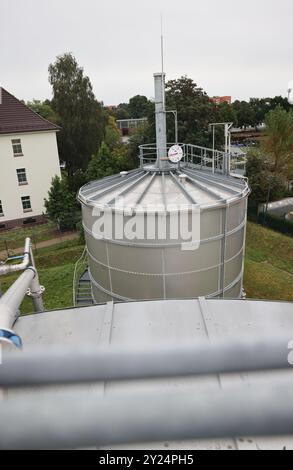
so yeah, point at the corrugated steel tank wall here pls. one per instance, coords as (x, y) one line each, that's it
(160, 269)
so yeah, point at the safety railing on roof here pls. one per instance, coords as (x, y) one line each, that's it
(215, 161)
(148, 152)
(206, 158)
(238, 164)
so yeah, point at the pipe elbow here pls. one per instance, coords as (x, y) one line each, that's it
(10, 337)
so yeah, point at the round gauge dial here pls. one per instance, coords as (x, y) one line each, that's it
(175, 154)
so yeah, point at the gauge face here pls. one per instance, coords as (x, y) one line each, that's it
(175, 154)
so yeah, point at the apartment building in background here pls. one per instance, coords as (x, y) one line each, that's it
(29, 160)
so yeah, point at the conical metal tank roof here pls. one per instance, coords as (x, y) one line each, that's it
(146, 190)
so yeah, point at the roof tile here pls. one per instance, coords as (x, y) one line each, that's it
(16, 117)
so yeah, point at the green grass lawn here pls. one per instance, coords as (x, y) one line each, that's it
(268, 269)
(268, 264)
(56, 268)
(15, 238)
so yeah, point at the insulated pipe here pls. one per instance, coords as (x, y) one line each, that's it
(12, 268)
(63, 366)
(69, 421)
(36, 290)
(10, 303)
(162, 158)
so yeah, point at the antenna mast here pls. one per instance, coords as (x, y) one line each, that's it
(162, 62)
(161, 139)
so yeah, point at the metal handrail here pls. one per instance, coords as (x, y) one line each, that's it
(79, 265)
(10, 268)
(205, 157)
(27, 284)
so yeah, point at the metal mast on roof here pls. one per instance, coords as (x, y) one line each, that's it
(172, 111)
(162, 62)
(162, 159)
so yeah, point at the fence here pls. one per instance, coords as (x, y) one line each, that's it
(11, 241)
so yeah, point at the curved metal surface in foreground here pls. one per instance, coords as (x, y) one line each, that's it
(177, 412)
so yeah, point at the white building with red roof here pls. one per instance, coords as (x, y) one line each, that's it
(29, 160)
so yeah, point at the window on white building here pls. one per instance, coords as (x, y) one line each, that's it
(1, 210)
(26, 204)
(17, 148)
(21, 176)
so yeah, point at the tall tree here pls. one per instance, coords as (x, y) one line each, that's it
(139, 106)
(112, 134)
(195, 110)
(80, 113)
(279, 141)
(102, 164)
(224, 112)
(245, 113)
(61, 205)
(44, 109)
(264, 183)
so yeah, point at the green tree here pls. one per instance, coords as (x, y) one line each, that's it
(280, 101)
(76, 180)
(103, 163)
(139, 106)
(224, 112)
(112, 134)
(195, 111)
(245, 113)
(141, 135)
(260, 107)
(264, 183)
(253, 113)
(44, 109)
(278, 143)
(80, 113)
(122, 111)
(61, 205)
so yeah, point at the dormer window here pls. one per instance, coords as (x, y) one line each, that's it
(17, 149)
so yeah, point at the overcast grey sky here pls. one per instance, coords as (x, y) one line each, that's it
(229, 47)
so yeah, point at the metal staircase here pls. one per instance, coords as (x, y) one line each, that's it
(82, 291)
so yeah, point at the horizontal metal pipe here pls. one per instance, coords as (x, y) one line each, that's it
(12, 268)
(11, 300)
(68, 421)
(56, 366)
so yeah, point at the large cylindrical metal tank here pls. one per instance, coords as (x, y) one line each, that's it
(134, 251)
